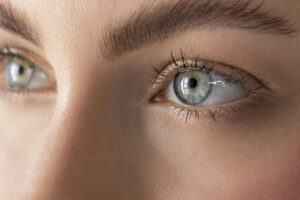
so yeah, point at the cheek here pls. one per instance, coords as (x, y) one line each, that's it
(255, 173)
(213, 164)
(17, 119)
(21, 133)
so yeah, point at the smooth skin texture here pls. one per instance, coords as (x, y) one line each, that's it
(98, 137)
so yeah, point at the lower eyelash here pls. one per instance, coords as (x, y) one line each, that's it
(231, 111)
(193, 113)
(24, 97)
(188, 113)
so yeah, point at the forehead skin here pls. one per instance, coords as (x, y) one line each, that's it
(93, 16)
(69, 31)
(66, 26)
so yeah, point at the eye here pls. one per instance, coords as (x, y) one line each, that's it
(199, 88)
(195, 84)
(19, 73)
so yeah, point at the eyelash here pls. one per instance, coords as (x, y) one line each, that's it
(162, 79)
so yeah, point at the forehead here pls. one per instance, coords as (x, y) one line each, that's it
(107, 9)
(74, 18)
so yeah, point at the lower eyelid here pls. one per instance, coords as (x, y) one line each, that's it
(231, 112)
(25, 97)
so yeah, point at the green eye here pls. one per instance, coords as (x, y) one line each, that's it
(192, 87)
(19, 73)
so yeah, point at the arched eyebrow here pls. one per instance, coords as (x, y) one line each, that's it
(157, 23)
(17, 23)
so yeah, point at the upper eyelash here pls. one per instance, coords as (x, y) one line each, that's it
(206, 66)
(7, 51)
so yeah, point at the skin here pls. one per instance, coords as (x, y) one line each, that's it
(98, 137)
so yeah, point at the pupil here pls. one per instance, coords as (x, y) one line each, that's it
(192, 83)
(21, 70)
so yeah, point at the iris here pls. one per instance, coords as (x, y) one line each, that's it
(192, 87)
(19, 73)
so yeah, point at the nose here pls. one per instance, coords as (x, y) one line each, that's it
(86, 154)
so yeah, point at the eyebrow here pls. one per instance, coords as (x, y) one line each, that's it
(17, 23)
(164, 20)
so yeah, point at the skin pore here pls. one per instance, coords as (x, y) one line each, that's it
(106, 130)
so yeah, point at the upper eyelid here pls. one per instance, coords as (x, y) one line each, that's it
(179, 65)
(161, 81)
(211, 65)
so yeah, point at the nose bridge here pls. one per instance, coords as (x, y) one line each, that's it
(83, 153)
(74, 146)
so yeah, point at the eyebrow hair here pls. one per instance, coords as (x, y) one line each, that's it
(166, 19)
(17, 23)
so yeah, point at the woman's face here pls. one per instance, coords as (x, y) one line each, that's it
(152, 99)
